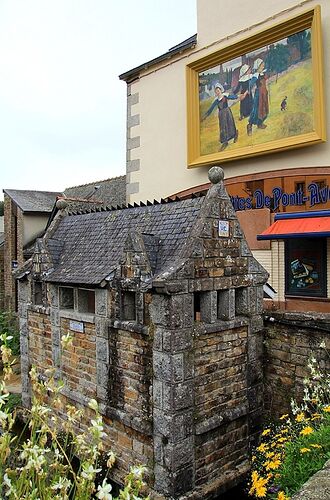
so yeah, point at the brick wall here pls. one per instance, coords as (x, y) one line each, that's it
(130, 375)
(40, 341)
(290, 340)
(221, 403)
(78, 361)
(13, 227)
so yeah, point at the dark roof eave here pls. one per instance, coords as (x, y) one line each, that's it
(132, 74)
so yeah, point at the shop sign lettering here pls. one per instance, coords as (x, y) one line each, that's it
(315, 196)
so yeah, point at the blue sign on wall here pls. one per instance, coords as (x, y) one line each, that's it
(316, 196)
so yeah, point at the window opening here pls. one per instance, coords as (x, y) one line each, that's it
(37, 293)
(128, 306)
(197, 306)
(86, 300)
(66, 298)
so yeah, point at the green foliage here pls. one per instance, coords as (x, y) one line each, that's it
(12, 402)
(53, 458)
(292, 450)
(9, 325)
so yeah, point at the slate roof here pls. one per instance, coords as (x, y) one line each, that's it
(86, 248)
(33, 201)
(132, 74)
(109, 191)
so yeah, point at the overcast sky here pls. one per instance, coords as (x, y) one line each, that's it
(62, 106)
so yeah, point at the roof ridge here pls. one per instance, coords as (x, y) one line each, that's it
(141, 204)
(93, 182)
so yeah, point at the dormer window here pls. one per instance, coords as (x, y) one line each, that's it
(128, 306)
(77, 299)
(37, 293)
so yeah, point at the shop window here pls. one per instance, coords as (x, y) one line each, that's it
(128, 306)
(86, 300)
(37, 293)
(66, 298)
(306, 267)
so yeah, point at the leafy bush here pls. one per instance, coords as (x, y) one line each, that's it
(49, 461)
(9, 325)
(292, 450)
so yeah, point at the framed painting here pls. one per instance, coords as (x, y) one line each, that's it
(261, 95)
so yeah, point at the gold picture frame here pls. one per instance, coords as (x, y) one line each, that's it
(296, 115)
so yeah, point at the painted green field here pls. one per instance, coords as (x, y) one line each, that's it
(296, 84)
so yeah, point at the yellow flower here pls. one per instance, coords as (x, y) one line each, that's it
(258, 487)
(316, 416)
(282, 496)
(272, 464)
(285, 430)
(282, 439)
(270, 454)
(304, 450)
(316, 446)
(265, 432)
(327, 409)
(300, 417)
(283, 417)
(262, 448)
(254, 458)
(306, 431)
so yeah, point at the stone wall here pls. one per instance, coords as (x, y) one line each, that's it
(40, 341)
(290, 340)
(221, 404)
(2, 278)
(13, 226)
(78, 360)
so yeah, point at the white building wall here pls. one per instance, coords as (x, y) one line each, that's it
(161, 151)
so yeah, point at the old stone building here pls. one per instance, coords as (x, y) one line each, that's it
(28, 213)
(163, 301)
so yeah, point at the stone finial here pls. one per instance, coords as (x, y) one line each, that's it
(216, 175)
(61, 204)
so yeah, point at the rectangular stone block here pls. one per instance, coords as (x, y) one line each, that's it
(226, 304)
(102, 349)
(101, 302)
(208, 304)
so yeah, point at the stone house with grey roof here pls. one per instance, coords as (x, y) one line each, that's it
(163, 301)
(27, 213)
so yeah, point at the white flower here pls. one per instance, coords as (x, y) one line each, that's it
(111, 459)
(322, 345)
(138, 471)
(7, 482)
(93, 404)
(66, 340)
(89, 472)
(103, 491)
(62, 484)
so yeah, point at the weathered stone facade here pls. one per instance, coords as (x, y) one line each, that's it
(291, 339)
(171, 346)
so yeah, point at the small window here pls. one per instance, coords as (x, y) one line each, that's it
(197, 306)
(306, 267)
(86, 300)
(37, 293)
(66, 298)
(128, 306)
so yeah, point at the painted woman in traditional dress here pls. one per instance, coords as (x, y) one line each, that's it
(242, 87)
(227, 125)
(260, 107)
